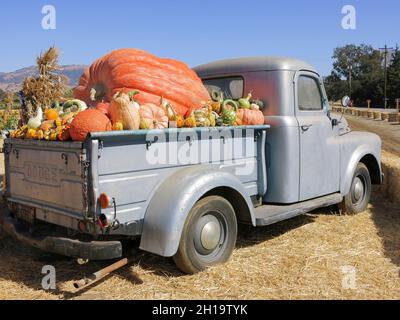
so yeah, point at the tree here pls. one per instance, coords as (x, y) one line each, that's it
(366, 74)
(335, 87)
(2, 94)
(47, 87)
(371, 80)
(393, 89)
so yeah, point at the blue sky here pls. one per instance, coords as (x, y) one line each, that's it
(193, 31)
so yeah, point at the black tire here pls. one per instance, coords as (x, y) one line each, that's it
(202, 244)
(360, 191)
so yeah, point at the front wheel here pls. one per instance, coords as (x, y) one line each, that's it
(360, 191)
(208, 236)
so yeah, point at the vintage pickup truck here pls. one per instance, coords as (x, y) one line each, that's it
(184, 191)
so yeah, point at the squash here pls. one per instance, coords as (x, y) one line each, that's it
(58, 122)
(118, 126)
(35, 122)
(64, 134)
(228, 112)
(125, 111)
(249, 117)
(68, 117)
(90, 120)
(74, 105)
(212, 116)
(152, 116)
(190, 122)
(47, 125)
(201, 118)
(31, 134)
(154, 77)
(40, 134)
(171, 114)
(245, 102)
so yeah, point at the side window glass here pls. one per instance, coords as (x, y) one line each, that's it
(309, 94)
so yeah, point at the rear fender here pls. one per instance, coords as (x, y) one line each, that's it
(171, 203)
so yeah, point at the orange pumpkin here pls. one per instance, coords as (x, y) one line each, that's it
(154, 77)
(90, 120)
(152, 116)
(249, 117)
(104, 107)
(51, 114)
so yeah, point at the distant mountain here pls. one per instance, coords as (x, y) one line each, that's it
(12, 80)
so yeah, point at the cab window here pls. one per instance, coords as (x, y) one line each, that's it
(231, 87)
(309, 94)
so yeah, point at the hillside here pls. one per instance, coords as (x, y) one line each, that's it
(12, 80)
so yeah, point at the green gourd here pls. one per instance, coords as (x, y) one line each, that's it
(228, 112)
(245, 102)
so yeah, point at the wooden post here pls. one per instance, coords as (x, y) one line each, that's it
(398, 103)
(369, 104)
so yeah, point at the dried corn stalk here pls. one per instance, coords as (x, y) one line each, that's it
(47, 87)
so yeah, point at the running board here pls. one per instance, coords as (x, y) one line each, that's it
(269, 213)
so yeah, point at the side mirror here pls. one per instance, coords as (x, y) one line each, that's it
(345, 101)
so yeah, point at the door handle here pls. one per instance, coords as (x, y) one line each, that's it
(305, 127)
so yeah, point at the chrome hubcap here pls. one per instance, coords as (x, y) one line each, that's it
(358, 190)
(207, 234)
(210, 235)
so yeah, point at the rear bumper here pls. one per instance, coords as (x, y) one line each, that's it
(94, 250)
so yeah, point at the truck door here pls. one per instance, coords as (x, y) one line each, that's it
(319, 151)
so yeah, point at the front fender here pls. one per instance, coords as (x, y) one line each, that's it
(355, 146)
(171, 203)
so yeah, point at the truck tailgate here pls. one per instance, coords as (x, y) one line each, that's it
(47, 174)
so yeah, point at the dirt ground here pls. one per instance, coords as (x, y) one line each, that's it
(321, 255)
(389, 133)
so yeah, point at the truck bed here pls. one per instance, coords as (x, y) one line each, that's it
(62, 181)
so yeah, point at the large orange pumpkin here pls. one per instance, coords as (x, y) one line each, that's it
(249, 117)
(90, 120)
(154, 77)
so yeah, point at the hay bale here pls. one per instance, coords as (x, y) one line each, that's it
(390, 189)
(370, 114)
(384, 115)
(393, 117)
(377, 115)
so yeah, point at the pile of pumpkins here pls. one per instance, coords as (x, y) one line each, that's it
(74, 120)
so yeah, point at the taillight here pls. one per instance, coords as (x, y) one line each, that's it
(82, 226)
(102, 221)
(104, 200)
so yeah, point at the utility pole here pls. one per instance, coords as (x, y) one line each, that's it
(385, 52)
(350, 70)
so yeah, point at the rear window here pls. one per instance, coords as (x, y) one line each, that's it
(232, 87)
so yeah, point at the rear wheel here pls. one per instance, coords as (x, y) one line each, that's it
(209, 235)
(360, 191)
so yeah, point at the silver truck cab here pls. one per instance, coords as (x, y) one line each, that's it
(310, 152)
(106, 189)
